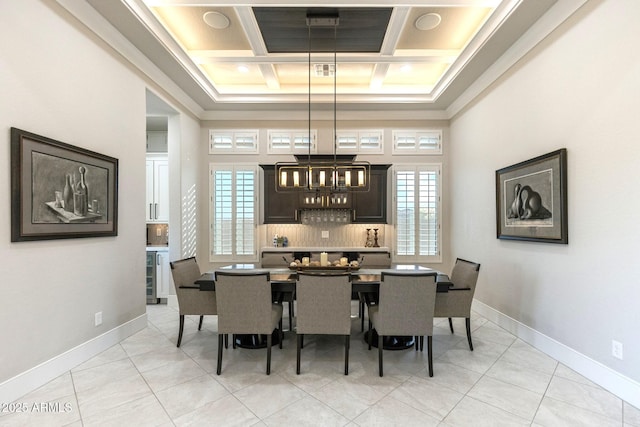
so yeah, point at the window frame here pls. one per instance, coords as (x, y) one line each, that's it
(233, 256)
(416, 149)
(234, 147)
(416, 257)
(292, 134)
(359, 134)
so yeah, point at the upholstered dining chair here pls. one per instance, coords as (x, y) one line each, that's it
(324, 308)
(191, 301)
(245, 307)
(457, 302)
(405, 307)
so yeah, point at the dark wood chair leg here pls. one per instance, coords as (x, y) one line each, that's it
(280, 333)
(361, 312)
(416, 342)
(290, 316)
(269, 339)
(233, 341)
(451, 324)
(219, 368)
(380, 353)
(467, 321)
(299, 346)
(430, 354)
(369, 335)
(301, 340)
(180, 330)
(346, 354)
(226, 340)
(422, 343)
(200, 324)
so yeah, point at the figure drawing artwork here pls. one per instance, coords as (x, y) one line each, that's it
(531, 199)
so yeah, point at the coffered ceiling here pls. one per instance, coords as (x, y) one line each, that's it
(395, 53)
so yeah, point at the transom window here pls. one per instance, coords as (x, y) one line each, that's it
(423, 141)
(223, 141)
(291, 141)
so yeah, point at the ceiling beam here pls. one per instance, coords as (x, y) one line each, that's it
(416, 57)
(252, 30)
(333, 3)
(394, 30)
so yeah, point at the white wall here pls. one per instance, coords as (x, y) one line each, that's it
(58, 81)
(579, 89)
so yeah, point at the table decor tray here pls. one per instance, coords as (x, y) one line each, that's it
(327, 267)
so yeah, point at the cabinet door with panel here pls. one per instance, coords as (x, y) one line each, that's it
(163, 274)
(157, 190)
(279, 207)
(371, 206)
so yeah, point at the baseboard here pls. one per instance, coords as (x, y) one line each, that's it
(26, 382)
(623, 387)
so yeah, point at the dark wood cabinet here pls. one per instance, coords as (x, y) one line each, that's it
(279, 207)
(371, 206)
(284, 207)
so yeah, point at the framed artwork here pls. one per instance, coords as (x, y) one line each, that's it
(60, 191)
(531, 199)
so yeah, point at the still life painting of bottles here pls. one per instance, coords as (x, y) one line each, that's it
(79, 191)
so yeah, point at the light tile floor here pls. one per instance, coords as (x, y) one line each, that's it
(146, 380)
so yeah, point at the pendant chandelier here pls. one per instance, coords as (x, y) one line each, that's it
(330, 173)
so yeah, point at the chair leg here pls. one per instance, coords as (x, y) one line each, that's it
(226, 340)
(269, 339)
(346, 354)
(467, 321)
(233, 341)
(180, 330)
(219, 368)
(430, 354)
(369, 335)
(361, 312)
(380, 353)
(290, 316)
(422, 343)
(451, 324)
(416, 341)
(299, 346)
(280, 332)
(200, 324)
(302, 341)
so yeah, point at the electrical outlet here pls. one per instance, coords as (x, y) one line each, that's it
(325, 234)
(616, 349)
(98, 318)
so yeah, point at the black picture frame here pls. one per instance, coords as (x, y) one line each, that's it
(531, 199)
(46, 177)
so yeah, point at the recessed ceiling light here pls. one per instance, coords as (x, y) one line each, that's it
(216, 20)
(428, 21)
(243, 68)
(405, 68)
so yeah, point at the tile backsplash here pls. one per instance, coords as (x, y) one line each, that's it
(340, 235)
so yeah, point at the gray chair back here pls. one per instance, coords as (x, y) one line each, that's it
(406, 303)
(244, 303)
(457, 303)
(191, 300)
(324, 304)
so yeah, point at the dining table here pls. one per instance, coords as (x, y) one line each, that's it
(364, 281)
